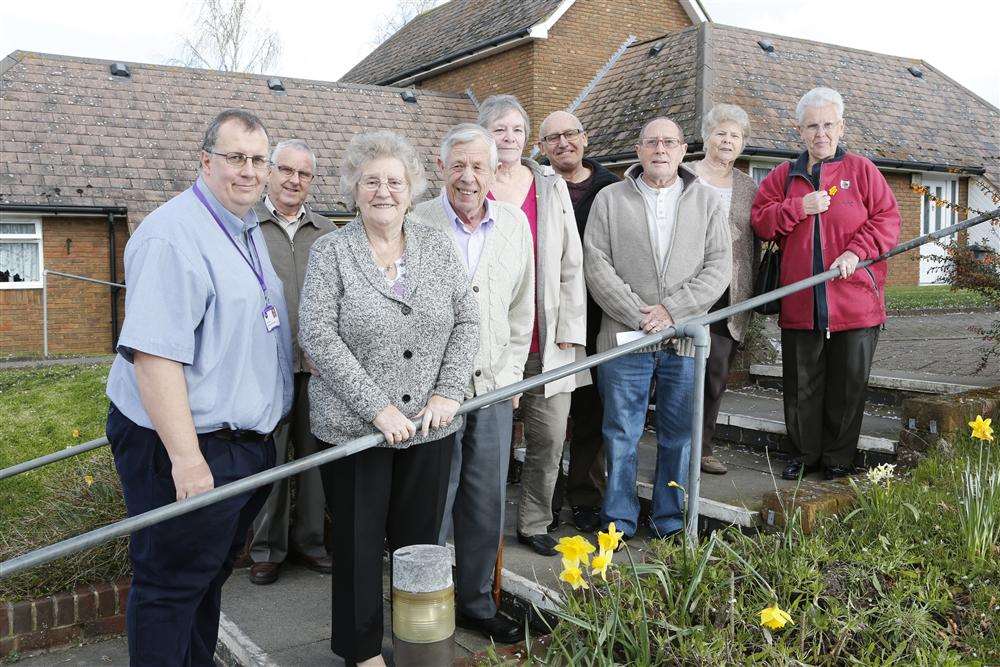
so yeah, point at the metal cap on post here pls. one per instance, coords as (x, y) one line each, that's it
(423, 606)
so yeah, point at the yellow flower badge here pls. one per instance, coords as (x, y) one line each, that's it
(610, 540)
(981, 429)
(574, 577)
(833, 190)
(575, 550)
(600, 564)
(774, 617)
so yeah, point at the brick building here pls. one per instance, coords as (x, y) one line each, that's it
(87, 146)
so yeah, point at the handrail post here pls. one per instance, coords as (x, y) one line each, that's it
(699, 334)
(45, 313)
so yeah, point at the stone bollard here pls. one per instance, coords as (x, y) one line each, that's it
(423, 606)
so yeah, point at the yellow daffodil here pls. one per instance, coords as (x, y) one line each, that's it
(981, 429)
(832, 190)
(674, 485)
(76, 433)
(774, 617)
(89, 479)
(575, 549)
(610, 540)
(600, 564)
(574, 577)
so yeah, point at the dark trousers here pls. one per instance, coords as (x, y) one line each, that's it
(180, 565)
(378, 497)
(585, 483)
(824, 382)
(720, 357)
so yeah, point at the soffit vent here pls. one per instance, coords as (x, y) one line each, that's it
(120, 69)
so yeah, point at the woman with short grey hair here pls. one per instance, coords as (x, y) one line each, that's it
(560, 329)
(724, 132)
(391, 325)
(828, 209)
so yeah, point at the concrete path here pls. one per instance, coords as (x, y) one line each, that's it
(109, 652)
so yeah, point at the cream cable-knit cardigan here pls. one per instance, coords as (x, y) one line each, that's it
(504, 285)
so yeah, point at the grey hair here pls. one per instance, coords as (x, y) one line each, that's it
(247, 120)
(725, 113)
(367, 146)
(297, 144)
(649, 122)
(495, 106)
(465, 133)
(819, 97)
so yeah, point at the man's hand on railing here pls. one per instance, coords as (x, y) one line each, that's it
(191, 476)
(846, 264)
(656, 318)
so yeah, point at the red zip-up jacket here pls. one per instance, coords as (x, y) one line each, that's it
(863, 217)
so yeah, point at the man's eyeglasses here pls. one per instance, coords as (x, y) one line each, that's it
(668, 142)
(288, 172)
(568, 135)
(393, 184)
(237, 160)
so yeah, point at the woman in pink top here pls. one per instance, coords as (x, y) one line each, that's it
(560, 328)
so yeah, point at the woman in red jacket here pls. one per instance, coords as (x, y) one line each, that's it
(829, 209)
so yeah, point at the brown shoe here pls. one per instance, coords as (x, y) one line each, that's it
(264, 573)
(713, 466)
(322, 564)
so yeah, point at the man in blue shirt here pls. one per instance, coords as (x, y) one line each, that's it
(202, 378)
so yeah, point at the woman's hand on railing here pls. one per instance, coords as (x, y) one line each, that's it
(394, 425)
(438, 413)
(846, 264)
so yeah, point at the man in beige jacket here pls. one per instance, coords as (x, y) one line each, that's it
(493, 241)
(656, 251)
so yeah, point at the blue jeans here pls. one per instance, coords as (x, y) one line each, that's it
(624, 385)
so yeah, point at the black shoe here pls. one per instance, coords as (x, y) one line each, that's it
(543, 545)
(833, 472)
(587, 519)
(498, 628)
(554, 526)
(796, 469)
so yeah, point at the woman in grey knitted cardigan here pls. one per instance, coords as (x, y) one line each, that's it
(388, 318)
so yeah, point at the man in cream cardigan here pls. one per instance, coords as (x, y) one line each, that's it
(494, 241)
(656, 251)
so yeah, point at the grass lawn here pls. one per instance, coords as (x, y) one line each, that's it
(46, 409)
(931, 297)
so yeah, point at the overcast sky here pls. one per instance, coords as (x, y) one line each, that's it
(323, 39)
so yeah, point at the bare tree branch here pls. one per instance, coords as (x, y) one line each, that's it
(228, 35)
(404, 11)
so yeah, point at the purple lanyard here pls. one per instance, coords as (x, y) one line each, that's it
(259, 276)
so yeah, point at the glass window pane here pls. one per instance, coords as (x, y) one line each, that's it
(759, 173)
(19, 262)
(17, 228)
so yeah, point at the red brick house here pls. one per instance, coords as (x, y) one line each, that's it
(87, 146)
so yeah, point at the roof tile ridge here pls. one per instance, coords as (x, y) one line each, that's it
(815, 41)
(964, 88)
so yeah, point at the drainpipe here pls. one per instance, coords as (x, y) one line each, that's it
(113, 270)
(699, 333)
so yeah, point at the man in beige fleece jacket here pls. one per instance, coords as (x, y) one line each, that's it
(656, 251)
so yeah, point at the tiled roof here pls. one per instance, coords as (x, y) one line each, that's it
(448, 31)
(890, 114)
(72, 134)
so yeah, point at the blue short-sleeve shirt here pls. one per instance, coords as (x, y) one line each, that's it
(192, 298)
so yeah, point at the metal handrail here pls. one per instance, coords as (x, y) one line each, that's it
(78, 543)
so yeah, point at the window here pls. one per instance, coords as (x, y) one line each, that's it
(759, 171)
(20, 254)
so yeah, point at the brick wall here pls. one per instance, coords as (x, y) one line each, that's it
(548, 74)
(79, 312)
(86, 613)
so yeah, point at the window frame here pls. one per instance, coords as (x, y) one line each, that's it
(23, 238)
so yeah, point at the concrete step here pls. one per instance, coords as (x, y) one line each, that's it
(889, 387)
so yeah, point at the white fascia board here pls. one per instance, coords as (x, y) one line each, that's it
(694, 12)
(541, 30)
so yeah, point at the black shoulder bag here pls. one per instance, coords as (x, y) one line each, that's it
(769, 272)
